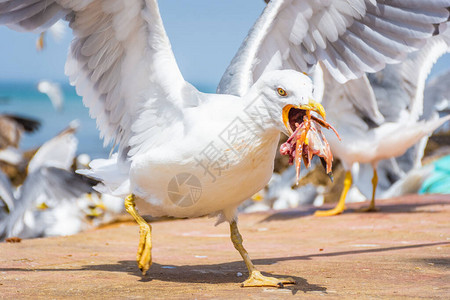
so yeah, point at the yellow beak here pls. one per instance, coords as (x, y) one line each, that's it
(314, 106)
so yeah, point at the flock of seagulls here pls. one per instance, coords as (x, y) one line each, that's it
(53, 200)
(190, 154)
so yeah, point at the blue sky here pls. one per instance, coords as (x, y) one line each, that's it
(205, 35)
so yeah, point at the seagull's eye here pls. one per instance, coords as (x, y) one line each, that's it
(281, 92)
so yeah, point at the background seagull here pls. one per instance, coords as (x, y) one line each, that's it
(54, 92)
(191, 154)
(388, 127)
(437, 91)
(12, 159)
(50, 201)
(57, 31)
(12, 127)
(404, 175)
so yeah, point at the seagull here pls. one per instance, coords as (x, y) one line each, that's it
(12, 128)
(52, 200)
(57, 31)
(12, 159)
(191, 154)
(406, 174)
(54, 92)
(388, 127)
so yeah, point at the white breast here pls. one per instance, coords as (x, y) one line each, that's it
(209, 178)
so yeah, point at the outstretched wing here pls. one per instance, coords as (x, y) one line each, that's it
(405, 82)
(57, 152)
(120, 61)
(350, 37)
(353, 102)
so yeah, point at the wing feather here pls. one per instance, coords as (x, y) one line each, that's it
(120, 62)
(350, 37)
(407, 80)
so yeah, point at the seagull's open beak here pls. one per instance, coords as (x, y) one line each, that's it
(306, 138)
(294, 113)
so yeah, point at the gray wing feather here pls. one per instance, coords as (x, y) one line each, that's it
(349, 37)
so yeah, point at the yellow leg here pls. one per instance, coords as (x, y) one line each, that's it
(144, 253)
(371, 207)
(255, 277)
(340, 207)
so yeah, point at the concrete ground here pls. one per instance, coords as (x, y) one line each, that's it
(403, 251)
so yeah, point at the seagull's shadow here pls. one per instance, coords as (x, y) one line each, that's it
(225, 272)
(306, 211)
(205, 274)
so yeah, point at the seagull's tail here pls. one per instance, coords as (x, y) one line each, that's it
(113, 176)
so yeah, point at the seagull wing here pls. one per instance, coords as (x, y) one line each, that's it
(407, 80)
(53, 185)
(405, 84)
(49, 185)
(353, 102)
(350, 37)
(57, 152)
(120, 61)
(12, 127)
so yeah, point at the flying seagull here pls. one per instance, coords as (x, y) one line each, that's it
(54, 92)
(57, 31)
(191, 154)
(393, 123)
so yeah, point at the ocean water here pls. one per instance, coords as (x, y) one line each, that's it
(25, 100)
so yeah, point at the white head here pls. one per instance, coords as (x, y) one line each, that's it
(286, 94)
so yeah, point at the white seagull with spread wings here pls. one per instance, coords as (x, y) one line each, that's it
(191, 154)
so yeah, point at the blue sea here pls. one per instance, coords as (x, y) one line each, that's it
(25, 100)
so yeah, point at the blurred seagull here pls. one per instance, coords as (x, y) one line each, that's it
(54, 92)
(12, 160)
(51, 201)
(388, 127)
(57, 31)
(437, 92)
(191, 154)
(405, 175)
(12, 127)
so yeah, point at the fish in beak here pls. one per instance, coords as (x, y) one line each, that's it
(306, 138)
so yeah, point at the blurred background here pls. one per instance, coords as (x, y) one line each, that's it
(205, 35)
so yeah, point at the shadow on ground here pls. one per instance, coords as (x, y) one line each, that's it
(226, 272)
(383, 208)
